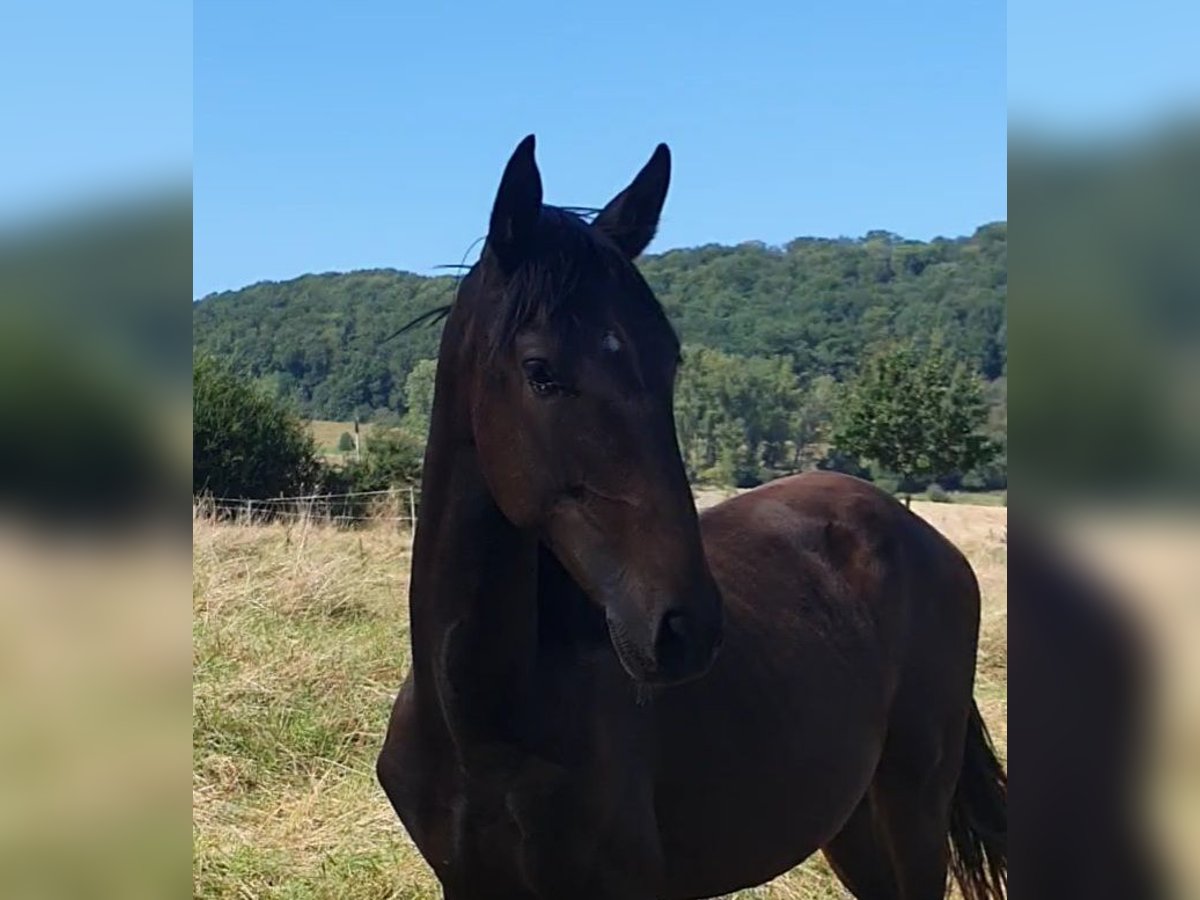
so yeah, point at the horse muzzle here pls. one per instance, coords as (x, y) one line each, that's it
(672, 647)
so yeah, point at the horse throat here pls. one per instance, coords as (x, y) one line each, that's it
(472, 601)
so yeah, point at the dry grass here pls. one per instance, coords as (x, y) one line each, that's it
(326, 433)
(300, 641)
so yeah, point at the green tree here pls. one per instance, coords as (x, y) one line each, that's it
(321, 341)
(915, 415)
(734, 415)
(244, 443)
(418, 397)
(992, 474)
(345, 442)
(812, 421)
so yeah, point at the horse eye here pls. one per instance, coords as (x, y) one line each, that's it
(537, 373)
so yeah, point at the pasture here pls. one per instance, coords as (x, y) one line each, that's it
(299, 643)
(326, 432)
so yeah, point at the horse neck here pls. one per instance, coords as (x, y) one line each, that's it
(473, 595)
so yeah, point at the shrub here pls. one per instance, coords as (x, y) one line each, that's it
(391, 458)
(938, 494)
(992, 476)
(345, 442)
(245, 444)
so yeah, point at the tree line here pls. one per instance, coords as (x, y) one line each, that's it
(321, 342)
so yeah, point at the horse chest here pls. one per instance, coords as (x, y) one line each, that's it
(520, 828)
(538, 821)
(529, 799)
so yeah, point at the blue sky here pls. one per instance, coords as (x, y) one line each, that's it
(345, 135)
(97, 101)
(341, 136)
(1102, 66)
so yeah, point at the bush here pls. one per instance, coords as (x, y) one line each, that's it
(938, 494)
(245, 444)
(387, 420)
(990, 477)
(392, 458)
(345, 442)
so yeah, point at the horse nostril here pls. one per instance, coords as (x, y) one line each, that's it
(678, 623)
(675, 637)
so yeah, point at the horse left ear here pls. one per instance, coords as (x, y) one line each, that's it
(631, 217)
(517, 207)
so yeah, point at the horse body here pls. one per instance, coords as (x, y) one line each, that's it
(568, 728)
(838, 603)
(824, 691)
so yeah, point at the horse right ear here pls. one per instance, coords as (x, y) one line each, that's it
(517, 207)
(631, 218)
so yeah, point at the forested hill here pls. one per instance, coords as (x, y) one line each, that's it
(319, 339)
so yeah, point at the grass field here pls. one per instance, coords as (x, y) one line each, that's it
(326, 433)
(299, 643)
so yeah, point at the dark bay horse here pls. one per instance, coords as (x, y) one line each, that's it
(612, 697)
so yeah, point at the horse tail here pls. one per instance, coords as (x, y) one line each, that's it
(979, 818)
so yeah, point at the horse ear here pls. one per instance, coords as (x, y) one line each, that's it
(631, 217)
(517, 207)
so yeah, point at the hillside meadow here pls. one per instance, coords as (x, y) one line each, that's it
(300, 640)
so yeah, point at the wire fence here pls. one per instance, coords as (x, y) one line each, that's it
(397, 506)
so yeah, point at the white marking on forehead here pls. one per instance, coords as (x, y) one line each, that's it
(610, 342)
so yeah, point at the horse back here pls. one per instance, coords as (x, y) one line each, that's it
(849, 577)
(835, 535)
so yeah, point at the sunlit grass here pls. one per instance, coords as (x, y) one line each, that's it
(326, 434)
